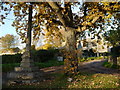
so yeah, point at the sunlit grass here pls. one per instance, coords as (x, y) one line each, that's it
(95, 81)
(85, 59)
(82, 80)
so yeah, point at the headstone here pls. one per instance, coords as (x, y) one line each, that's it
(60, 58)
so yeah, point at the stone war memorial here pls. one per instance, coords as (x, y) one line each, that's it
(27, 72)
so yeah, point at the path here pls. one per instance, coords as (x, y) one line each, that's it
(95, 66)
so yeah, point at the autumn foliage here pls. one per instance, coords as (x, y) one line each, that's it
(50, 17)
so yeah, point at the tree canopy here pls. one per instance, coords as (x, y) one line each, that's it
(113, 37)
(50, 17)
(47, 22)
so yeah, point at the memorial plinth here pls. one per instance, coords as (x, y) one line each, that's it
(26, 73)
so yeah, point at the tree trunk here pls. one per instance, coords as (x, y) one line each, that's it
(115, 60)
(71, 60)
(114, 57)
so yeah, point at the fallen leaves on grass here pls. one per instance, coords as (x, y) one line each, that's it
(95, 81)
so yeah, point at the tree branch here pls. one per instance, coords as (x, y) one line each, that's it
(81, 29)
(56, 22)
(69, 12)
(56, 8)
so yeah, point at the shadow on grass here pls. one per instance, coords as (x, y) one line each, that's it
(54, 78)
(82, 80)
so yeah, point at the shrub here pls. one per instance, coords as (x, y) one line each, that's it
(43, 55)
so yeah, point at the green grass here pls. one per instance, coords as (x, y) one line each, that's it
(59, 81)
(89, 59)
(95, 81)
(10, 67)
(49, 63)
(82, 80)
(110, 65)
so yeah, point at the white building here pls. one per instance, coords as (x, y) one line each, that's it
(97, 45)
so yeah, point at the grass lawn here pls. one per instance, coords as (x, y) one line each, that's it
(82, 80)
(9, 67)
(95, 81)
(86, 59)
(59, 80)
(110, 65)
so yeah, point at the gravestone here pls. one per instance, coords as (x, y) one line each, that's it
(60, 58)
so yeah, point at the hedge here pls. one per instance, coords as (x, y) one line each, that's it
(37, 56)
(44, 55)
(11, 58)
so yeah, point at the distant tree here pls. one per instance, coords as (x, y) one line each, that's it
(15, 50)
(46, 46)
(8, 41)
(113, 37)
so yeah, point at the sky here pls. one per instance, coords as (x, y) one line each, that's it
(8, 29)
